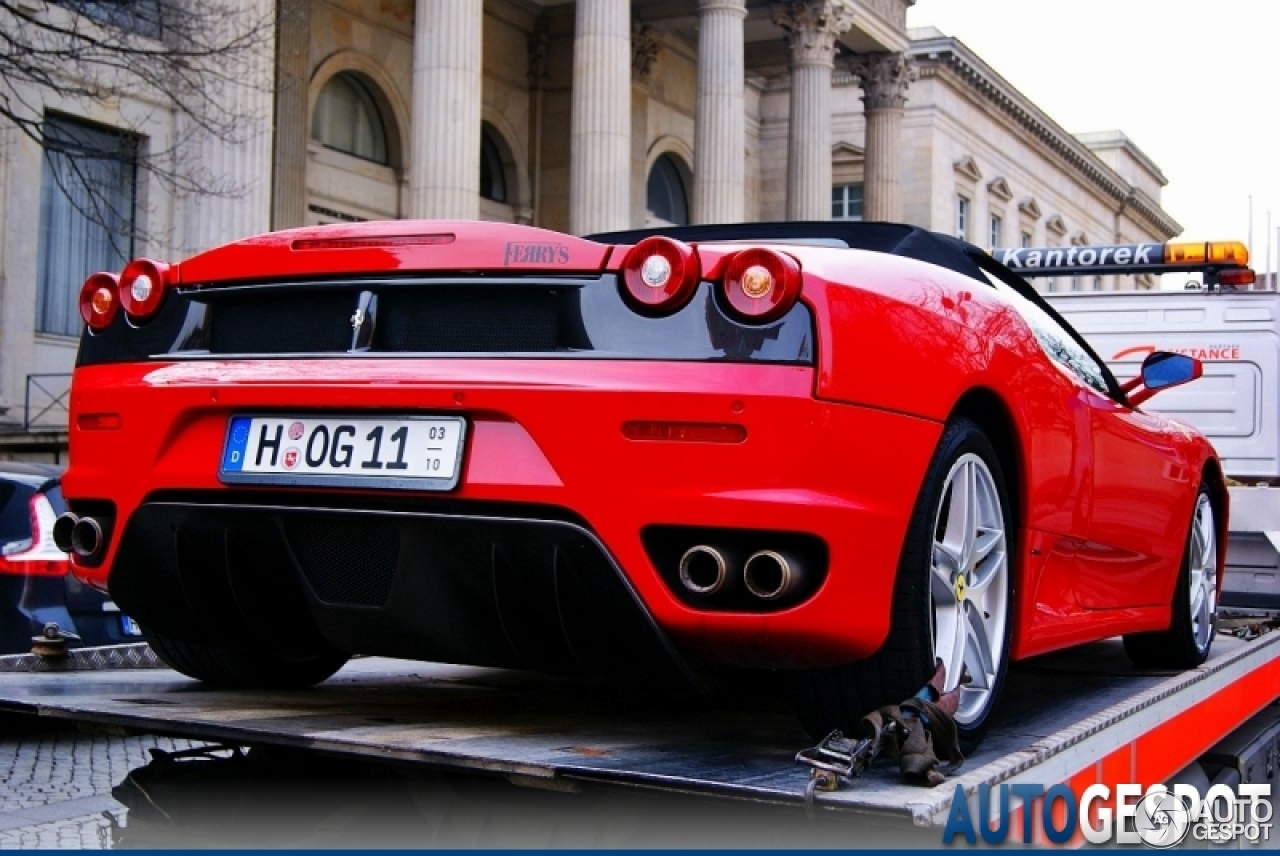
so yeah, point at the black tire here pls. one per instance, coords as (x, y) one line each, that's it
(839, 697)
(1178, 647)
(243, 668)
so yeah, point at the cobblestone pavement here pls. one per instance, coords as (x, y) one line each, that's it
(55, 783)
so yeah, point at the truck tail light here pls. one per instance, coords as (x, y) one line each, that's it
(100, 300)
(1237, 277)
(761, 285)
(660, 275)
(142, 288)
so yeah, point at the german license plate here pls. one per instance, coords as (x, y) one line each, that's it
(406, 452)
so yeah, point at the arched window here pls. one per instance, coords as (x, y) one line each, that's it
(667, 200)
(347, 119)
(493, 174)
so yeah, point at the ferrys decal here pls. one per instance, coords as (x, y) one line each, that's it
(535, 254)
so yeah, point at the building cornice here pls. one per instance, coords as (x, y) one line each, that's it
(947, 58)
(1104, 140)
(885, 21)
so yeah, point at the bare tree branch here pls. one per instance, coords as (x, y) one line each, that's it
(192, 59)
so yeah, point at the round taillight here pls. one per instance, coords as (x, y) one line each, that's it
(660, 275)
(761, 285)
(99, 300)
(142, 288)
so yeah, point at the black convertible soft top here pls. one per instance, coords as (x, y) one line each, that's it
(894, 238)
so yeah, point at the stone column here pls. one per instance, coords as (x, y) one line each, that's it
(444, 136)
(237, 165)
(600, 127)
(884, 79)
(292, 130)
(812, 28)
(719, 133)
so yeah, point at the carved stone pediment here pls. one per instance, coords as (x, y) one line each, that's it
(843, 152)
(1056, 225)
(1030, 209)
(998, 188)
(968, 167)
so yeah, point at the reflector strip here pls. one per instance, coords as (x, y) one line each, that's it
(98, 421)
(684, 432)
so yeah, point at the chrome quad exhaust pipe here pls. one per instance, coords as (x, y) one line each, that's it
(88, 540)
(704, 570)
(770, 575)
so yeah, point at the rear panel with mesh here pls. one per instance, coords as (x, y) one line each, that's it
(467, 320)
(347, 561)
(285, 322)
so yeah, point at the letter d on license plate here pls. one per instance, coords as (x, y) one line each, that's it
(401, 452)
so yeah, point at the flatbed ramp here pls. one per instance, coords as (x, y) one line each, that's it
(1080, 716)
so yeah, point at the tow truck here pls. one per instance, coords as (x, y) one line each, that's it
(1080, 717)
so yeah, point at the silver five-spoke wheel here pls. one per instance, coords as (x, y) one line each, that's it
(1194, 605)
(969, 585)
(1203, 568)
(952, 599)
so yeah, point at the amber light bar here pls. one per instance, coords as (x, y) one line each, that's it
(1177, 257)
(1225, 253)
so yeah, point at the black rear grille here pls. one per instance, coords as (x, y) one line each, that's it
(467, 320)
(282, 323)
(347, 562)
(425, 320)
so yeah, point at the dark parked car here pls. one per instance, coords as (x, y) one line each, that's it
(35, 586)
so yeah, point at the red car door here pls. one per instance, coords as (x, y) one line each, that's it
(1137, 529)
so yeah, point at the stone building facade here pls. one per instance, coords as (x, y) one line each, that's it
(596, 115)
(47, 243)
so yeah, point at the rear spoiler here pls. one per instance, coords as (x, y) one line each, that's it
(1223, 263)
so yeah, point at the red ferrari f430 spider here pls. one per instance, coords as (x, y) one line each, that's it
(841, 450)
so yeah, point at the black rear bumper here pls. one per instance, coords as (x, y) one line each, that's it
(479, 589)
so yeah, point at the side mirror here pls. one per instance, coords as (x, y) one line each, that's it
(1162, 370)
